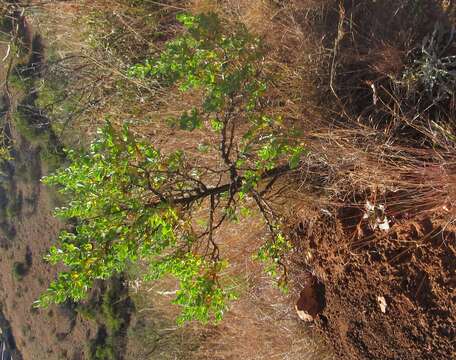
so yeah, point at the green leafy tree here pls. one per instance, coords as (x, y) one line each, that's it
(132, 202)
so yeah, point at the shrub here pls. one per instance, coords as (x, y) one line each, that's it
(134, 202)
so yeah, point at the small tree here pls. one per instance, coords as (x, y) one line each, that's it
(133, 202)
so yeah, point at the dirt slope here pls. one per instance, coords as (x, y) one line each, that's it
(411, 269)
(57, 332)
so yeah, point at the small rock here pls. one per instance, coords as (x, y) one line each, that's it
(382, 303)
(303, 315)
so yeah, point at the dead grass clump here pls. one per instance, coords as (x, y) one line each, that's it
(362, 165)
(202, 6)
(128, 31)
(421, 184)
(95, 44)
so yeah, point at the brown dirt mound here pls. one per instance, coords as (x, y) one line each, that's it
(412, 267)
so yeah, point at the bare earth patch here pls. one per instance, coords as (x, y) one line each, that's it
(388, 296)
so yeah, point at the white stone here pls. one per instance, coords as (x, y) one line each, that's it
(303, 315)
(382, 303)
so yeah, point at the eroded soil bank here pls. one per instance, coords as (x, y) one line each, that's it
(386, 296)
